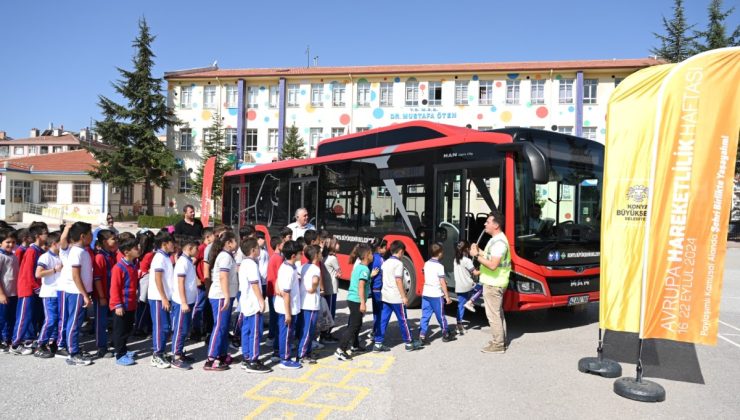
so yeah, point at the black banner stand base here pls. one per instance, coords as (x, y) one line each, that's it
(639, 390)
(606, 368)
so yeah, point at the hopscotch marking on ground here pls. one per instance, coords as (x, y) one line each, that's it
(322, 388)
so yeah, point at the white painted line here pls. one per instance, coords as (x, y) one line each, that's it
(732, 335)
(728, 325)
(728, 340)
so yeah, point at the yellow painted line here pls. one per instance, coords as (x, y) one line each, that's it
(323, 414)
(257, 411)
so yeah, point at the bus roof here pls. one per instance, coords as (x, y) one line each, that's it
(449, 135)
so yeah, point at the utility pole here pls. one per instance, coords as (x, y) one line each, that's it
(308, 56)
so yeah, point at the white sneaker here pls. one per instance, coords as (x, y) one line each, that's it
(469, 306)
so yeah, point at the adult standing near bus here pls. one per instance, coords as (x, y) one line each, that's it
(301, 225)
(495, 266)
(188, 226)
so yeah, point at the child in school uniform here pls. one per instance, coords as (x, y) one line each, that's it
(358, 292)
(465, 287)
(394, 300)
(224, 286)
(105, 259)
(159, 295)
(287, 303)
(273, 265)
(48, 269)
(197, 331)
(76, 280)
(376, 282)
(310, 295)
(124, 282)
(8, 287)
(28, 288)
(334, 271)
(434, 295)
(183, 296)
(252, 305)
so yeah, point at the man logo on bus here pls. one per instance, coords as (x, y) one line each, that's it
(637, 193)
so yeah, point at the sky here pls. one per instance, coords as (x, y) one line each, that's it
(57, 57)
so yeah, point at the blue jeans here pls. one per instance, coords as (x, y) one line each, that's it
(429, 306)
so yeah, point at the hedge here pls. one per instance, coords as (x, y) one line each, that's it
(158, 222)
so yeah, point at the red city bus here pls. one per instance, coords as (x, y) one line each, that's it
(422, 182)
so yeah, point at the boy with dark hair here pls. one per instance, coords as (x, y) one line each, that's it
(124, 281)
(23, 238)
(273, 265)
(287, 303)
(28, 289)
(48, 269)
(251, 306)
(103, 262)
(286, 234)
(159, 294)
(310, 292)
(8, 287)
(184, 294)
(434, 295)
(200, 300)
(76, 281)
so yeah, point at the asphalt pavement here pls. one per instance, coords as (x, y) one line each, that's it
(537, 377)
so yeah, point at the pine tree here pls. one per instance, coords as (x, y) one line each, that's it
(293, 146)
(715, 35)
(213, 146)
(135, 154)
(676, 45)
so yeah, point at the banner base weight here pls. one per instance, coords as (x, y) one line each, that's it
(606, 368)
(644, 391)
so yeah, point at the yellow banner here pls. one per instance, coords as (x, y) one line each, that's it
(690, 197)
(629, 136)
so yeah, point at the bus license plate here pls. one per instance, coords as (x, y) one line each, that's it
(577, 300)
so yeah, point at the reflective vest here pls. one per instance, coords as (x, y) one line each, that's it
(500, 276)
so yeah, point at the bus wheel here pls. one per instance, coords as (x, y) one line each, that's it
(409, 283)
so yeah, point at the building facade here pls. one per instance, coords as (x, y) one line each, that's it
(258, 105)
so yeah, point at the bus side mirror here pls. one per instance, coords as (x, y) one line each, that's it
(537, 161)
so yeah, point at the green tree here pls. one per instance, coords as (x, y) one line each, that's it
(134, 153)
(676, 44)
(293, 146)
(213, 146)
(716, 34)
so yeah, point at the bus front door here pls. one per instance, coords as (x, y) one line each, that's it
(447, 216)
(304, 193)
(238, 199)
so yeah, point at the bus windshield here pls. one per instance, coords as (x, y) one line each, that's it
(558, 223)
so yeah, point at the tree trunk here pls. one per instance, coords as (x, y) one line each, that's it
(149, 197)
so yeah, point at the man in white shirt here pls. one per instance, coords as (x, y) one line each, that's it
(301, 225)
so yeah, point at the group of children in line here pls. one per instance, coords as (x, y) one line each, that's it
(49, 280)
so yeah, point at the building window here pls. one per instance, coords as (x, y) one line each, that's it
(314, 138)
(461, 92)
(293, 92)
(251, 140)
(412, 93)
(435, 93)
(31, 150)
(363, 94)
(4, 151)
(81, 192)
(58, 149)
(44, 150)
(127, 195)
(386, 94)
(18, 150)
(337, 131)
(272, 140)
(538, 92)
(274, 96)
(48, 191)
(337, 94)
(252, 92)
(185, 184)
(317, 92)
(209, 96)
(512, 92)
(589, 133)
(230, 139)
(186, 96)
(361, 129)
(232, 96)
(565, 129)
(186, 140)
(565, 93)
(485, 92)
(20, 191)
(590, 87)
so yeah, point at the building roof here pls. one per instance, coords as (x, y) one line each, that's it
(63, 140)
(77, 161)
(522, 66)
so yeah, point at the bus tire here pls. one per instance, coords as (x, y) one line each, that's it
(409, 279)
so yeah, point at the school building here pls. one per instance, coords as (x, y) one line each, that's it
(258, 105)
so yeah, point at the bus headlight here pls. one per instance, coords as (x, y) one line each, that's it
(528, 286)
